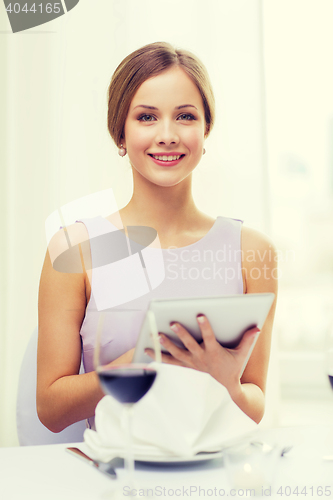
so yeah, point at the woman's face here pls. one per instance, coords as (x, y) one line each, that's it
(165, 128)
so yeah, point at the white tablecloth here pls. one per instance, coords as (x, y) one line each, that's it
(49, 473)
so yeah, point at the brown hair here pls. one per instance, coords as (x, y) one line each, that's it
(144, 63)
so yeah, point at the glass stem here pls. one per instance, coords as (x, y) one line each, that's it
(129, 456)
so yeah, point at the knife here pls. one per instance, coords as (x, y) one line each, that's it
(105, 468)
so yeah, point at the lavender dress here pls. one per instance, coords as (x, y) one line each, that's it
(210, 266)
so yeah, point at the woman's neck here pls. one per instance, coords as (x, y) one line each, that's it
(167, 209)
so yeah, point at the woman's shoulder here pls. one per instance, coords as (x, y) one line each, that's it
(259, 261)
(72, 234)
(252, 239)
(67, 237)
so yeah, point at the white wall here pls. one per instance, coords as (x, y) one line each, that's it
(298, 67)
(57, 147)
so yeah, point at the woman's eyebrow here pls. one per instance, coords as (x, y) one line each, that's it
(186, 106)
(153, 107)
(145, 106)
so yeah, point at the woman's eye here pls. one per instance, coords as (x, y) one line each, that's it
(146, 118)
(186, 116)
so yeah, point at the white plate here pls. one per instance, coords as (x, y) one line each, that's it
(202, 456)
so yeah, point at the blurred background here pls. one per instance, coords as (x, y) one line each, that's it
(269, 159)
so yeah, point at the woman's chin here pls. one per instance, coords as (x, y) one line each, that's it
(163, 179)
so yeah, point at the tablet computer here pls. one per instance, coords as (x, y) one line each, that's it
(229, 315)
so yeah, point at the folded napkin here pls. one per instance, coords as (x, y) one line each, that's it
(184, 413)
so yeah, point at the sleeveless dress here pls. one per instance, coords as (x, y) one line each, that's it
(209, 267)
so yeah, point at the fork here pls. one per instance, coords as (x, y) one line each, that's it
(105, 468)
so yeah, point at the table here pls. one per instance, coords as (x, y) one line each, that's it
(49, 473)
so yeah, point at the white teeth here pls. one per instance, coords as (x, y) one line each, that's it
(166, 158)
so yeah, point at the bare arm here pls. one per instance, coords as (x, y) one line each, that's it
(225, 365)
(63, 396)
(260, 276)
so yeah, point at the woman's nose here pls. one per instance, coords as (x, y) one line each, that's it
(167, 134)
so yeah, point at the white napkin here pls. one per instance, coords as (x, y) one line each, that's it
(185, 412)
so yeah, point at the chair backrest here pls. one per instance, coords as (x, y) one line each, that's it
(29, 428)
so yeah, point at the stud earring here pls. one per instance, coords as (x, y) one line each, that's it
(204, 151)
(122, 151)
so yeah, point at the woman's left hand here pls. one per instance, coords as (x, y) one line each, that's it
(224, 364)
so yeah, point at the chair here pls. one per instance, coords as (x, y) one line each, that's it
(29, 428)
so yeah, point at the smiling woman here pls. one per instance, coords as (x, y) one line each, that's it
(161, 109)
(166, 137)
(144, 64)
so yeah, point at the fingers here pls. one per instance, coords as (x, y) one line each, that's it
(189, 342)
(192, 346)
(166, 358)
(181, 356)
(246, 343)
(178, 353)
(208, 335)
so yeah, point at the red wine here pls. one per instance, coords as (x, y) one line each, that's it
(330, 377)
(127, 385)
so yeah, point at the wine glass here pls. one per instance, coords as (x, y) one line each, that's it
(127, 383)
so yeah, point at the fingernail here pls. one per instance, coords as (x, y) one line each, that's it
(201, 319)
(174, 327)
(255, 335)
(161, 339)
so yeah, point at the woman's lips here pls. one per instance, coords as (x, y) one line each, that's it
(165, 160)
